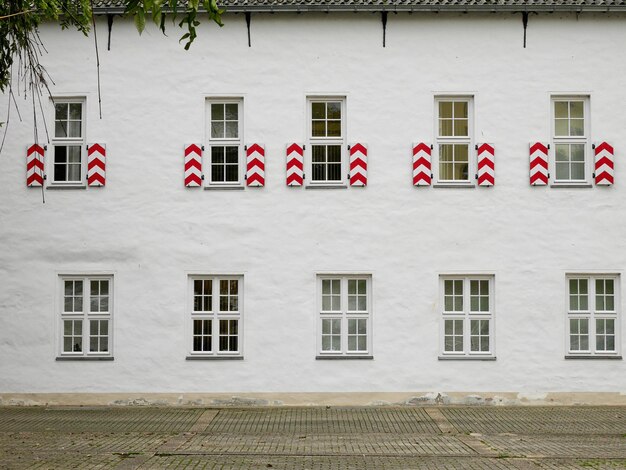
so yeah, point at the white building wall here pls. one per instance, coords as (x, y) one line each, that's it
(151, 232)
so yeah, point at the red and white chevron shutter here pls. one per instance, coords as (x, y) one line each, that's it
(486, 165)
(358, 165)
(34, 165)
(604, 164)
(295, 165)
(422, 173)
(255, 165)
(193, 165)
(96, 164)
(538, 164)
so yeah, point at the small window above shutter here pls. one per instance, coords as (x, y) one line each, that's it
(358, 165)
(295, 165)
(255, 165)
(422, 173)
(193, 165)
(538, 153)
(34, 165)
(486, 165)
(604, 170)
(96, 164)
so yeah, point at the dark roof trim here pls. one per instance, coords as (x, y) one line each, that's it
(460, 8)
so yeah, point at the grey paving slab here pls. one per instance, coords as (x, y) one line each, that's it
(556, 420)
(611, 446)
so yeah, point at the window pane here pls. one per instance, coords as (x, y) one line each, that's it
(76, 111)
(318, 110)
(60, 129)
(448, 287)
(474, 304)
(576, 109)
(336, 342)
(577, 152)
(217, 154)
(362, 303)
(334, 110)
(74, 129)
(577, 127)
(362, 343)
(334, 153)
(60, 111)
(217, 111)
(351, 303)
(461, 128)
(232, 130)
(561, 127)
(460, 109)
(484, 304)
(445, 109)
(458, 304)
(232, 111)
(560, 109)
(326, 343)
(334, 128)
(217, 130)
(319, 129)
(445, 127)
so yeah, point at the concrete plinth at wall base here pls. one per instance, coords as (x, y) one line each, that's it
(314, 399)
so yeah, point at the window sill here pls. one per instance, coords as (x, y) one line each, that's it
(596, 357)
(342, 358)
(66, 186)
(226, 188)
(326, 186)
(214, 358)
(84, 358)
(454, 185)
(571, 185)
(467, 358)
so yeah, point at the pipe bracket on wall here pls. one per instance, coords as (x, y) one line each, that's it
(248, 18)
(383, 18)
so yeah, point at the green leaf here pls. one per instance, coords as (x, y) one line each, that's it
(140, 21)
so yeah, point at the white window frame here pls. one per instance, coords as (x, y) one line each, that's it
(585, 140)
(85, 315)
(80, 142)
(311, 141)
(591, 314)
(441, 140)
(344, 315)
(467, 316)
(230, 142)
(215, 315)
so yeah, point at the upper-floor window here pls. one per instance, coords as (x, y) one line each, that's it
(345, 307)
(216, 304)
(593, 315)
(570, 139)
(454, 128)
(226, 164)
(86, 311)
(68, 141)
(327, 140)
(468, 312)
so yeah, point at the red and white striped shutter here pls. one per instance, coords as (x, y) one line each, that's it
(295, 165)
(358, 165)
(422, 173)
(538, 153)
(34, 165)
(96, 164)
(604, 170)
(193, 165)
(486, 165)
(255, 165)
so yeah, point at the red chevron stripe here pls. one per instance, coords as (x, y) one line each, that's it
(604, 146)
(486, 177)
(421, 147)
(358, 162)
(421, 161)
(358, 177)
(255, 178)
(421, 177)
(486, 162)
(193, 148)
(256, 162)
(485, 148)
(358, 148)
(35, 148)
(604, 161)
(293, 178)
(95, 148)
(95, 178)
(539, 161)
(538, 147)
(604, 176)
(34, 163)
(294, 148)
(193, 178)
(256, 148)
(96, 162)
(538, 177)
(34, 178)
(295, 162)
(193, 163)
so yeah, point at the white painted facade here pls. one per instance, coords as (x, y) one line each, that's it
(150, 233)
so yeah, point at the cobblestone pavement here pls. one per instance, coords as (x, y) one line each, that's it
(314, 438)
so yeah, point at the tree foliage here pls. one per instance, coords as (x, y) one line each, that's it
(21, 47)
